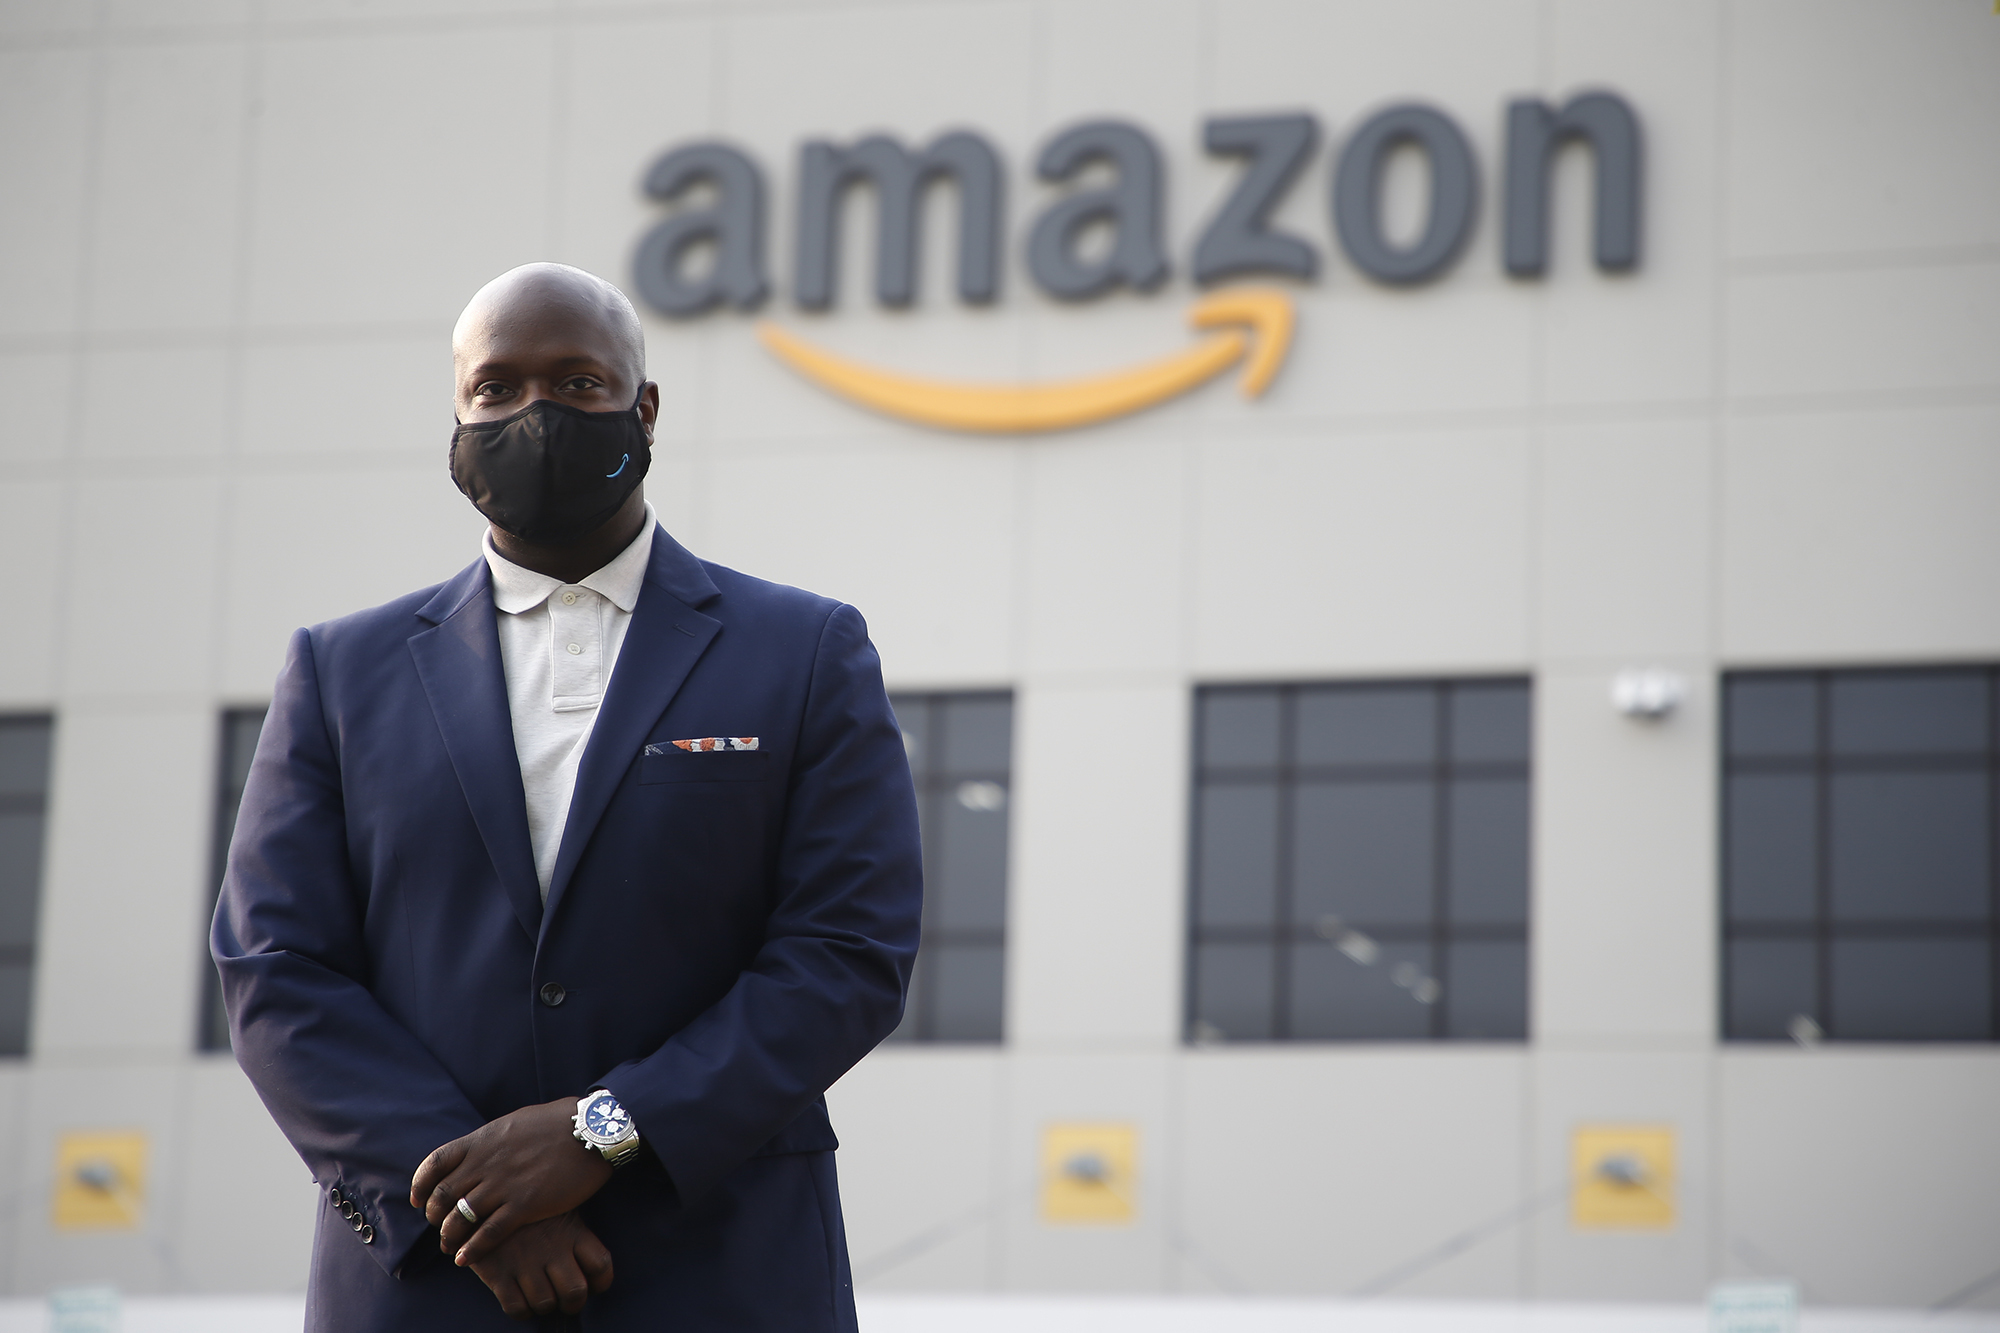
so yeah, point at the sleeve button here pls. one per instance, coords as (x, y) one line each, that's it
(367, 1235)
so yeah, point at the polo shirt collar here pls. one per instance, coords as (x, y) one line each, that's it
(516, 589)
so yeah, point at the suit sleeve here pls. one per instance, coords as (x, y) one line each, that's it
(358, 1096)
(828, 982)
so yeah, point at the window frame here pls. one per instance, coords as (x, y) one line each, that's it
(1284, 935)
(1825, 930)
(29, 955)
(936, 786)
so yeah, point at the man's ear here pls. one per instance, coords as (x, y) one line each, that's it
(649, 407)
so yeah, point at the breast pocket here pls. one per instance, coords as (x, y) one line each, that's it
(671, 765)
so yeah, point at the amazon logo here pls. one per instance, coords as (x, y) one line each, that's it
(1102, 233)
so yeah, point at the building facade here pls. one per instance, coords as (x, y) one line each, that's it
(1477, 778)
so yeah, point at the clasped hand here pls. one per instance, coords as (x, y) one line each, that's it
(523, 1176)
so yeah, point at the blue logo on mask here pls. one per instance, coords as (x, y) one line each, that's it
(622, 461)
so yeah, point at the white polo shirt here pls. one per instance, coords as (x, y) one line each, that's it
(558, 645)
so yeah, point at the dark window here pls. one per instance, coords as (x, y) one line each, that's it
(1859, 877)
(240, 729)
(961, 748)
(1360, 862)
(24, 807)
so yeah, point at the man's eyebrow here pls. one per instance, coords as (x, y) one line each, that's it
(504, 365)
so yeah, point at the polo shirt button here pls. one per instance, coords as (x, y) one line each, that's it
(569, 599)
(575, 648)
(553, 995)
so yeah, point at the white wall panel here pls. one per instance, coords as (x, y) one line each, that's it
(1106, 570)
(919, 1133)
(1623, 899)
(153, 403)
(16, 1082)
(309, 546)
(1860, 535)
(1647, 334)
(234, 1151)
(64, 16)
(1891, 329)
(140, 1095)
(1465, 344)
(1326, 1169)
(920, 539)
(378, 198)
(1124, 1089)
(359, 397)
(636, 88)
(38, 387)
(358, 12)
(1346, 56)
(1817, 165)
(152, 16)
(1654, 1089)
(125, 889)
(31, 526)
(45, 100)
(1378, 551)
(1865, 1172)
(150, 591)
(1626, 539)
(839, 72)
(1096, 877)
(167, 226)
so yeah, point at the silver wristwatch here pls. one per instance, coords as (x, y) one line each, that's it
(606, 1126)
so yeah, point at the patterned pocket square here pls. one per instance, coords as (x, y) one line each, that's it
(702, 744)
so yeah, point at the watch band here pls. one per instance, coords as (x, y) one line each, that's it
(621, 1153)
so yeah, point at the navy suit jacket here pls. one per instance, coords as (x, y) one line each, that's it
(726, 934)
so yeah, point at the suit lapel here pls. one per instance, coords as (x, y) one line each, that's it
(458, 661)
(666, 638)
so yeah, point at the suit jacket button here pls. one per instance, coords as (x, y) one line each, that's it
(553, 995)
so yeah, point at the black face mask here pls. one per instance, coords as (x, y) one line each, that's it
(551, 474)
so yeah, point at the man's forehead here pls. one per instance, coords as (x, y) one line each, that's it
(545, 332)
(543, 353)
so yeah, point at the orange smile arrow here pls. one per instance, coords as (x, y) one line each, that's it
(1257, 324)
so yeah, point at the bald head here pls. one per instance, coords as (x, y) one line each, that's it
(544, 320)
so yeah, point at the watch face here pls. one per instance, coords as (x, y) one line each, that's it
(606, 1119)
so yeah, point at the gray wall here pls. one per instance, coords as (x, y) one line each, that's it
(235, 237)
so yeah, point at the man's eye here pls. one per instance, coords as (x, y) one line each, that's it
(489, 391)
(582, 384)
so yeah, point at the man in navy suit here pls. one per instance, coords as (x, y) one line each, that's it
(562, 890)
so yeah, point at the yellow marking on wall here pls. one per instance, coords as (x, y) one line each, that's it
(100, 1180)
(1257, 329)
(1090, 1173)
(1622, 1177)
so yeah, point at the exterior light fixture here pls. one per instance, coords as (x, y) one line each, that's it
(1648, 693)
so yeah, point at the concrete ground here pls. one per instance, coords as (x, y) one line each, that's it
(1111, 1314)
